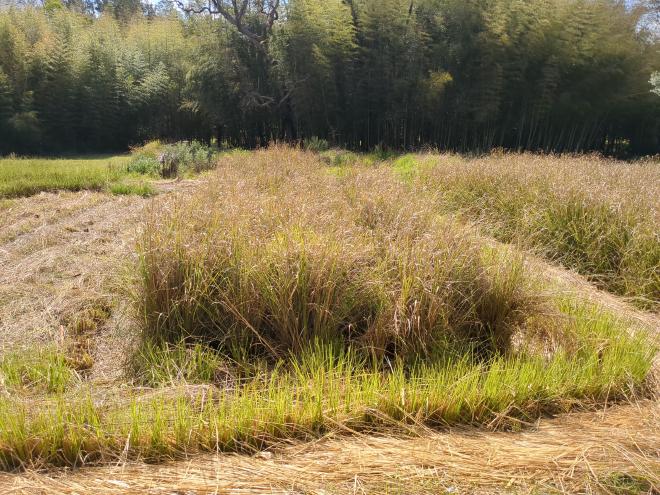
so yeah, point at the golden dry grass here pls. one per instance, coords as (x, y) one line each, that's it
(58, 252)
(588, 452)
(598, 216)
(61, 254)
(275, 246)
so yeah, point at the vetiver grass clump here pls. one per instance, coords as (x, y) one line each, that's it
(597, 216)
(275, 253)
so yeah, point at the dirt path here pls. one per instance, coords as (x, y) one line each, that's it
(603, 452)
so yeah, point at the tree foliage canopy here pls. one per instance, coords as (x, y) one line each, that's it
(561, 75)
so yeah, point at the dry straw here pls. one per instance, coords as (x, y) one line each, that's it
(614, 451)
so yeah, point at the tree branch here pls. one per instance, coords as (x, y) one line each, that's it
(234, 11)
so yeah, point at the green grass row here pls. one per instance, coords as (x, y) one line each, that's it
(28, 176)
(323, 388)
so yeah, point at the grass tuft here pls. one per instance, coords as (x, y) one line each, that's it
(46, 370)
(264, 261)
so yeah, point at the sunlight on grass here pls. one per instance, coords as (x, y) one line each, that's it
(278, 301)
(323, 388)
(27, 176)
(597, 216)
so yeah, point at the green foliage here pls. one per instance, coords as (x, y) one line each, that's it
(316, 145)
(6, 103)
(179, 158)
(320, 390)
(543, 75)
(313, 48)
(122, 174)
(84, 85)
(167, 364)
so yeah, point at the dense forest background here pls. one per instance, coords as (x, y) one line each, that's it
(562, 75)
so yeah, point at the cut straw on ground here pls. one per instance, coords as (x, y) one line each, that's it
(613, 451)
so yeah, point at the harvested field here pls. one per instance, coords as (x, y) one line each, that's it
(99, 367)
(613, 451)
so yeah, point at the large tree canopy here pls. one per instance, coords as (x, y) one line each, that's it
(559, 75)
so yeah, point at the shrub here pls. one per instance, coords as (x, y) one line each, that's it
(173, 159)
(382, 152)
(316, 144)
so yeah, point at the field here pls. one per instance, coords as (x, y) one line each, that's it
(26, 176)
(288, 321)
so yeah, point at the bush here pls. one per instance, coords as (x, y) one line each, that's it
(178, 158)
(172, 160)
(316, 144)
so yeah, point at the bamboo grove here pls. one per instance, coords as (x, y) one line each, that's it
(466, 75)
